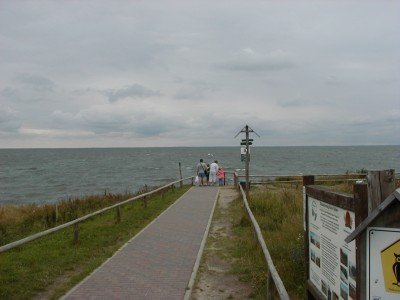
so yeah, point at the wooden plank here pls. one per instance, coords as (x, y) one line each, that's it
(340, 199)
(381, 183)
(395, 196)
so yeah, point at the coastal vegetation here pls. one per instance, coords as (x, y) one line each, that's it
(278, 211)
(50, 266)
(278, 208)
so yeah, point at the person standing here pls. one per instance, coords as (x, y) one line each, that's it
(213, 172)
(208, 172)
(201, 171)
(221, 176)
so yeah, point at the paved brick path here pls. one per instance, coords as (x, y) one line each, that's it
(158, 262)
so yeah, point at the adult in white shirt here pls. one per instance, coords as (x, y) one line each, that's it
(213, 172)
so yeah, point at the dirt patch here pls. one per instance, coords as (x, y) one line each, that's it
(214, 279)
(61, 281)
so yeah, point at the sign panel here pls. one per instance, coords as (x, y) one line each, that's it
(332, 261)
(243, 152)
(383, 263)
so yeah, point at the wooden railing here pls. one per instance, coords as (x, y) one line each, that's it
(274, 282)
(319, 178)
(298, 177)
(76, 222)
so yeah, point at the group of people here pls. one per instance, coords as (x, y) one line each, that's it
(210, 173)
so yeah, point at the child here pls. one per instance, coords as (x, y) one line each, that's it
(221, 176)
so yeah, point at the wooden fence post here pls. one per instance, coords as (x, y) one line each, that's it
(235, 180)
(56, 212)
(76, 233)
(192, 181)
(307, 180)
(381, 183)
(180, 175)
(118, 210)
(145, 202)
(360, 191)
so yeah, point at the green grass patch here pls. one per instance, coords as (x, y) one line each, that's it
(246, 256)
(279, 215)
(18, 221)
(54, 263)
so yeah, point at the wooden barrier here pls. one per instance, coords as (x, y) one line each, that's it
(272, 275)
(81, 219)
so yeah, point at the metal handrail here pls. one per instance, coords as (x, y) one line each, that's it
(272, 272)
(35, 236)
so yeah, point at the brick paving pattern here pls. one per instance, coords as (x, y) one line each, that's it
(157, 263)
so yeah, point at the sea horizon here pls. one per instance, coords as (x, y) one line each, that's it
(46, 175)
(217, 146)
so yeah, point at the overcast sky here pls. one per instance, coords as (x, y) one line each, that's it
(193, 73)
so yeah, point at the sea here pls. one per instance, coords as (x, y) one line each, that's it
(48, 175)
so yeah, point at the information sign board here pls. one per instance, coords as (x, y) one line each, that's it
(332, 261)
(243, 152)
(383, 263)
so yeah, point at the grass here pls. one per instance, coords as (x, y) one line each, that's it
(18, 221)
(242, 250)
(279, 215)
(53, 264)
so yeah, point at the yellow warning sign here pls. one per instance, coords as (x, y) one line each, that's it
(390, 258)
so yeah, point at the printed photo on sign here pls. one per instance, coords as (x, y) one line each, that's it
(324, 287)
(344, 291)
(314, 238)
(314, 210)
(348, 220)
(352, 291)
(315, 258)
(343, 257)
(352, 270)
(343, 274)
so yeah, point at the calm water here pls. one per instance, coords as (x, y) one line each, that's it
(47, 175)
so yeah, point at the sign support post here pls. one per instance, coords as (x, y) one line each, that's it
(247, 142)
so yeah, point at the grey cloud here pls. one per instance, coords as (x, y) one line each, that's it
(9, 121)
(35, 81)
(194, 90)
(9, 92)
(291, 102)
(255, 66)
(133, 91)
(110, 120)
(266, 67)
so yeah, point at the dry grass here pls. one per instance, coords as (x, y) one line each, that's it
(18, 221)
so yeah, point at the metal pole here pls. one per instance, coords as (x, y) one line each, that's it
(247, 162)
